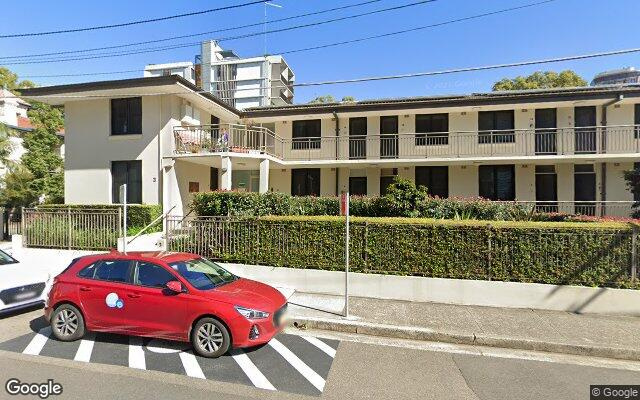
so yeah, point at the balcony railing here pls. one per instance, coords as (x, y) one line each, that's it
(620, 139)
(224, 137)
(607, 208)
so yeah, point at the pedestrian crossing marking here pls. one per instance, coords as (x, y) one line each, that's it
(37, 343)
(191, 366)
(136, 353)
(309, 374)
(300, 366)
(330, 351)
(86, 348)
(253, 373)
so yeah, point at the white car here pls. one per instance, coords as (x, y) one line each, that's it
(21, 287)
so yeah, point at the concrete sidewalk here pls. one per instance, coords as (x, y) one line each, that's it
(524, 329)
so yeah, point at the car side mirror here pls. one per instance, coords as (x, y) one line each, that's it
(175, 286)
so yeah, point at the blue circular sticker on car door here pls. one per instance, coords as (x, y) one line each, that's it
(113, 301)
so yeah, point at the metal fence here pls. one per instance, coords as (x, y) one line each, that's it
(584, 256)
(606, 208)
(85, 229)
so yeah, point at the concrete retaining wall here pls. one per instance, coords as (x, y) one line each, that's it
(452, 291)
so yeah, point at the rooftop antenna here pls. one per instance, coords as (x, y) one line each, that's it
(267, 3)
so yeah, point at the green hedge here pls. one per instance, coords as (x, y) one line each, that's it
(229, 203)
(138, 215)
(555, 253)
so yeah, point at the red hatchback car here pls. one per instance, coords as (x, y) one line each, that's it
(175, 296)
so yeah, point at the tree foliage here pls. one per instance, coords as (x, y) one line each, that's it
(330, 99)
(5, 145)
(9, 80)
(541, 80)
(41, 158)
(16, 190)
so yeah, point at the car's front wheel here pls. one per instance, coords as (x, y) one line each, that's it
(210, 338)
(67, 323)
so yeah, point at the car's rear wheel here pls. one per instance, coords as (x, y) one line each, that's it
(210, 338)
(67, 323)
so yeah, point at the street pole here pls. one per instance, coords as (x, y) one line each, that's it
(345, 206)
(123, 200)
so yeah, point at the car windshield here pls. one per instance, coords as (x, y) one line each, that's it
(202, 273)
(6, 259)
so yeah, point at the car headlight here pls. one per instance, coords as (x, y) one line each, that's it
(248, 313)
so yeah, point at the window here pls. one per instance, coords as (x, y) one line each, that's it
(496, 127)
(584, 194)
(113, 271)
(6, 259)
(202, 273)
(305, 182)
(358, 138)
(129, 173)
(306, 134)
(126, 116)
(213, 179)
(358, 185)
(546, 188)
(152, 275)
(497, 182)
(637, 121)
(387, 175)
(435, 179)
(432, 129)
(88, 271)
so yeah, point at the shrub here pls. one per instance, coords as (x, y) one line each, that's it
(554, 253)
(403, 200)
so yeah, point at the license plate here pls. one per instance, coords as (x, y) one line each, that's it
(25, 295)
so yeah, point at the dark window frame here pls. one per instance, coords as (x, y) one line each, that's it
(359, 178)
(302, 139)
(133, 196)
(431, 174)
(307, 172)
(427, 134)
(126, 116)
(494, 196)
(492, 134)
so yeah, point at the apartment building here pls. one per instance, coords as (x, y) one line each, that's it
(245, 82)
(565, 149)
(239, 82)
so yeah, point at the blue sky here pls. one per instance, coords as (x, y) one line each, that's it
(560, 28)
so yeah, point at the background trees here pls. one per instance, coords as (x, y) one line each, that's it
(541, 80)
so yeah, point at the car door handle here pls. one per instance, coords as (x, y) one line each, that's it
(85, 288)
(133, 295)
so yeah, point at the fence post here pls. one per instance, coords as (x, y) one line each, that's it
(489, 253)
(634, 254)
(366, 245)
(69, 227)
(22, 230)
(119, 226)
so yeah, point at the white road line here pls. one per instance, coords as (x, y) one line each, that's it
(136, 353)
(309, 374)
(86, 348)
(253, 373)
(37, 343)
(321, 345)
(191, 366)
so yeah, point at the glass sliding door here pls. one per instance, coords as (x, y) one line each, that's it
(585, 129)
(545, 133)
(358, 138)
(389, 136)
